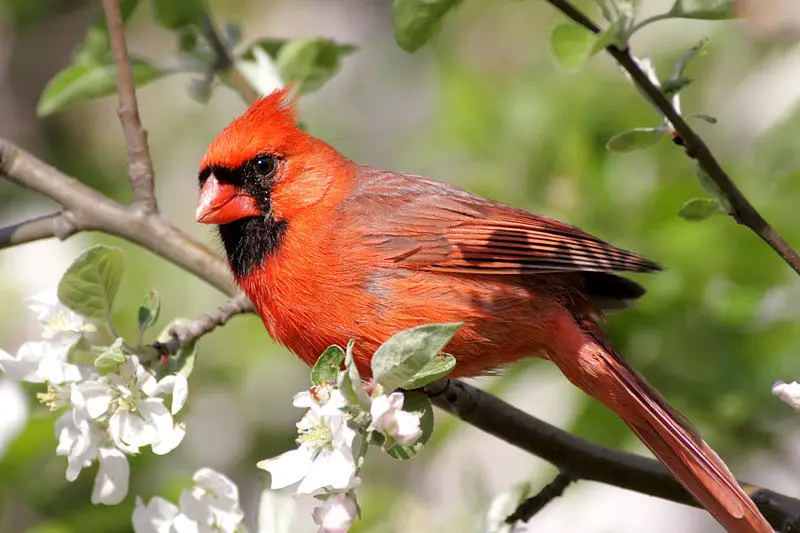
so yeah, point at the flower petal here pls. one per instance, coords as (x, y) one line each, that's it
(111, 483)
(288, 468)
(156, 517)
(336, 515)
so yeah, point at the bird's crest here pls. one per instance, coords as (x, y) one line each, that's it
(268, 126)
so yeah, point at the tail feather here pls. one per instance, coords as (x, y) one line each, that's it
(601, 373)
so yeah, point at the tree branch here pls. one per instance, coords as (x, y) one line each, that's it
(224, 63)
(91, 210)
(140, 165)
(61, 225)
(528, 509)
(742, 210)
(191, 331)
(581, 459)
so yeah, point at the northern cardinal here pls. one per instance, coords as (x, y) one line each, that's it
(329, 251)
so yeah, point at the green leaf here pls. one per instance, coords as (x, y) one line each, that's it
(612, 35)
(571, 45)
(177, 14)
(674, 85)
(700, 209)
(90, 284)
(310, 62)
(437, 368)
(418, 404)
(88, 81)
(149, 310)
(634, 139)
(398, 360)
(417, 21)
(327, 366)
(111, 358)
(183, 360)
(96, 44)
(687, 57)
(349, 382)
(703, 9)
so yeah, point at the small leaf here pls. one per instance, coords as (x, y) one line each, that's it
(571, 45)
(183, 360)
(437, 368)
(88, 81)
(177, 14)
(310, 62)
(149, 310)
(634, 139)
(90, 284)
(611, 35)
(349, 382)
(328, 365)
(699, 209)
(417, 21)
(687, 57)
(703, 9)
(674, 85)
(703, 116)
(111, 358)
(96, 45)
(397, 360)
(418, 404)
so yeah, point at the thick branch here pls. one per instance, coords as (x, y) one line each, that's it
(191, 331)
(581, 459)
(61, 225)
(224, 64)
(743, 211)
(91, 210)
(140, 165)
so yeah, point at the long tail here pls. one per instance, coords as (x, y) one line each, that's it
(587, 358)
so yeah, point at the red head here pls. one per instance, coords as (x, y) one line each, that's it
(260, 171)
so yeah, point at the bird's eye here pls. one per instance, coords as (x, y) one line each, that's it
(265, 165)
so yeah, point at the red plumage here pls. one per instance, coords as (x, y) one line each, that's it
(339, 251)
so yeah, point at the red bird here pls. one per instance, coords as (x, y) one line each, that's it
(328, 251)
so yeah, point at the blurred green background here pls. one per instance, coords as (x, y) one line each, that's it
(484, 107)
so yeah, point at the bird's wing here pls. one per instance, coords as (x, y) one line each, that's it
(423, 224)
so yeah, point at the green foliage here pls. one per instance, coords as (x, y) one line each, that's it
(90, 284)
(149, 310)
(419, 405)
(437, 368)
(417, 21)
(703, 9)
(572, 45)
(111, 358)
(177, 14)
(634, 139)
(398, 360)
(88, 81)
(309, 63)
(349, 382)
(327, 366)
(700, 209)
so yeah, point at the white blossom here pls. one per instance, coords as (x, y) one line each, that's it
(136, 417)
(13, 414)
(788, 392)
(211, 506)
(62, 326)
(262, 73)
(337, 514)
(389, 418)
(324, 458)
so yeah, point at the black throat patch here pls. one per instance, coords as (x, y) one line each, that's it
(249, 241)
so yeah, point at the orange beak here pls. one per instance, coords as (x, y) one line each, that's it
(221, 203)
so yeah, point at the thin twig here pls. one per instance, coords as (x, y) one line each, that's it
(140, 165)
(91, 210)
(61, 225)
(528, 509)
(191, 331)
(223, 64)
(582, 459)
(742, 210)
